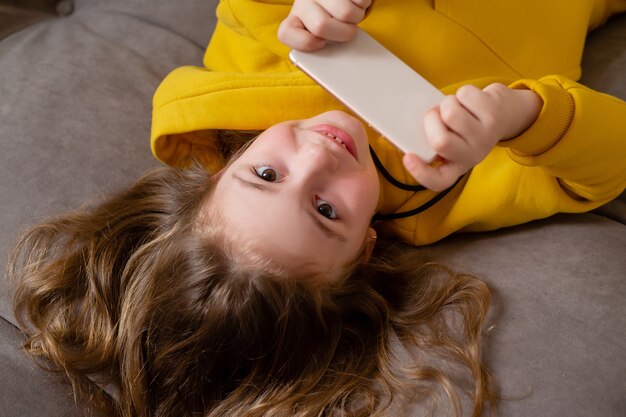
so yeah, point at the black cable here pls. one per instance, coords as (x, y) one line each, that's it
(406, 187)
(390, 178)
(417, 210)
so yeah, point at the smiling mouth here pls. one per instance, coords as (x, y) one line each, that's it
(336, 139)
(340, 137)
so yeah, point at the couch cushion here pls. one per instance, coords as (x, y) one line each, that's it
(604, 69)
(559, 341)
(75, 106)
(14, 18)
(25, 388)
(192, 20)
(604, 58)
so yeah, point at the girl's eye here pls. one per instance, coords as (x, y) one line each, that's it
(266, 173)
(325, 209)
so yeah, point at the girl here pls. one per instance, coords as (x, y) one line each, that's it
(144, 297)
(507, 155)
(259, 290)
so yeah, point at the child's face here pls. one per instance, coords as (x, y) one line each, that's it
(300, 195)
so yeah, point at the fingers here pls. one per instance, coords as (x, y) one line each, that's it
(344, 11)
(446, 129)
(436, 177)
(472, 97)
(363, 4)
(497, 91)
(456, 132)
(457, 117)
(451, 148)
(474, 120)
(485, 104)
(292, 33)
(466, 126)
(313, 22)
(321, 23)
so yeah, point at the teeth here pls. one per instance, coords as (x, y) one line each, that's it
(336, 139)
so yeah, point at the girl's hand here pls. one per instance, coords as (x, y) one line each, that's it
(313, 22)
(466, 126)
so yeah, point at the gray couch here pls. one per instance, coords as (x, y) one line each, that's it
(76, 81)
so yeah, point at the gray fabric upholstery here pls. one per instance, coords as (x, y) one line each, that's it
(604, 66)
(559, 341)
(75, 103)
(25, 388)
(604, 58)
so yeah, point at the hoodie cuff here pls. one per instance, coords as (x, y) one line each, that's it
(552, 123)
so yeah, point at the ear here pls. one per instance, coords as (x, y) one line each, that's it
(370, 242)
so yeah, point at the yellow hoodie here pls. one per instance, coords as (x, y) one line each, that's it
(572, 159)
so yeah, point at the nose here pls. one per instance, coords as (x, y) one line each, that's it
(316, 160)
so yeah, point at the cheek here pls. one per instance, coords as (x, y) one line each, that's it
(372, 178)
(364, 192)
(277, 135)
(371, 187)
(368, 202)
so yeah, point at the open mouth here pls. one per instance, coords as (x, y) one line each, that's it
(340, 137)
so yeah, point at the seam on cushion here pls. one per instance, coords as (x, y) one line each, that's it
(10, 323)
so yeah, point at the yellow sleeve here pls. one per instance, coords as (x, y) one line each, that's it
(572, 159)
(578, 138)
(245, 38)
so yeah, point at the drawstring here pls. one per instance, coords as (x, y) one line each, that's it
(407, 187)
(390, 178)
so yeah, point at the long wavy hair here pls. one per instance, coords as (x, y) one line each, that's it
(128, 294)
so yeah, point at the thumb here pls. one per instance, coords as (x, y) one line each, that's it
(436, 176)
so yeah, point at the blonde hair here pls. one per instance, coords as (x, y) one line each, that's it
(127, 293)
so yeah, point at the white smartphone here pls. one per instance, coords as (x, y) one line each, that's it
(375, 84)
